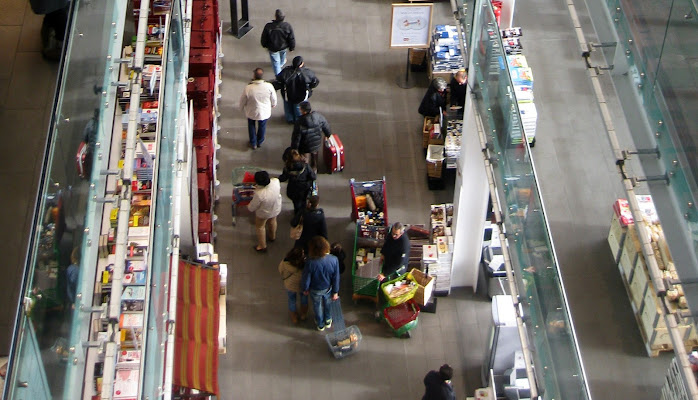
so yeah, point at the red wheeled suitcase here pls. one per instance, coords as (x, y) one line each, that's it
(334, 154)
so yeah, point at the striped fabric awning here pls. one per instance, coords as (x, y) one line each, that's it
(196, 332)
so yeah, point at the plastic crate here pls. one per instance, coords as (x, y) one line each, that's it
(338, 350)
(403, 317)
(393, 301)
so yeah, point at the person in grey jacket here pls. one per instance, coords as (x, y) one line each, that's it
(307, 133)
(257, 100)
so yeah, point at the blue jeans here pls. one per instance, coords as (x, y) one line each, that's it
(321, 305)
(291, 111)
(256, 138)
(292, 300)
(278, 59)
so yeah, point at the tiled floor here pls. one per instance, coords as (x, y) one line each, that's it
(345, 43)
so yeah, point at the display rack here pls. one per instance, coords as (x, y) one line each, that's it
(522, 79)
(203, 90)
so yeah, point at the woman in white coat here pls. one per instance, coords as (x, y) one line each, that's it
(257, 100)
(266, 204)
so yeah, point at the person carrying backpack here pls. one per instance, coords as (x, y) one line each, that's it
(296, 83)
(277, 38)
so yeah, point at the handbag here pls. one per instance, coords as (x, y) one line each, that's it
(297, 231)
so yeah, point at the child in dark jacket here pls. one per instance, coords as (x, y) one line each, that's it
(337, 251)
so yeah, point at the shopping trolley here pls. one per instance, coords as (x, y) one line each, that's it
(243, 187)
(402, 318)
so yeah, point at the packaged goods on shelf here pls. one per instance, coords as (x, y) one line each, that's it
(452, 142)
(126, 383)
(625, 243)
(445, 55)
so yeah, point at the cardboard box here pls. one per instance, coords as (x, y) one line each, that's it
(425, 286)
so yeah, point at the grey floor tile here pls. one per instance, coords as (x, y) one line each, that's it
(32, 81)
(30, 39)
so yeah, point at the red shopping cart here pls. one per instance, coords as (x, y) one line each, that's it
(243, 187)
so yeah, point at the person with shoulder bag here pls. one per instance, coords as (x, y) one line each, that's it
(313, 221)
(300, 179)
(291, 271)
(296, 84)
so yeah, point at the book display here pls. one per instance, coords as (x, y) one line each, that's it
(437, 257)
(522, 79)
(445, 57)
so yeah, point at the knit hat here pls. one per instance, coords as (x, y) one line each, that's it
(297, 61)
(261, 178)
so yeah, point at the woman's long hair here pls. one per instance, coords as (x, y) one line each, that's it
(296, 257)
(318, 247)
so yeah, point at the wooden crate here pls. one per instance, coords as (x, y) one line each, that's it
(652, 314)
(417, 56)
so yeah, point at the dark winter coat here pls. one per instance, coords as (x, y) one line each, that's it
(300, 179)
(432, 100)
(296, 84)
(396, 254)
(307, 134)
(278, 36)
(314, 224)
(457, 93)
(437, 388)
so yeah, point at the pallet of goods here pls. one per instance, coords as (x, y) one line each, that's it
(648, 309)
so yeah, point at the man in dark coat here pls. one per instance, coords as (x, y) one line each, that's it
(307, 134)
(395, 253)
(313, 220)
(277, 38)
(296, 83)
(438, 384)
(434, 100)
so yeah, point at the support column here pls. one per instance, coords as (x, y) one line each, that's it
(469, 204)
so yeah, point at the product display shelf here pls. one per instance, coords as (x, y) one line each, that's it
(522, 79)
(445, 56)
(648, 308)
(120, 305)
(204, 91)
(437, 258)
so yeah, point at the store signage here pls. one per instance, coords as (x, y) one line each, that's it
(411, 24)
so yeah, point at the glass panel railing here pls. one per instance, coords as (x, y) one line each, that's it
(555, 354)
(59, 274)
(173, 103)
(662, 60)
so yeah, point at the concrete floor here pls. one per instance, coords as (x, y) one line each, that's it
(345, 43)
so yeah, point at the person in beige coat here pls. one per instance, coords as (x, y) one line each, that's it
(291, 270)
(266, 205)
(257, 100)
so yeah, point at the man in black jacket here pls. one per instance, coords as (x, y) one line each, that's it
(395, 253)
(296, 83)
(277, 37)
(313, 220)
(307, 134)
(438, 384)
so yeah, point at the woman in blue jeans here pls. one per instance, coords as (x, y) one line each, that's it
(291, 271)
(321, 280)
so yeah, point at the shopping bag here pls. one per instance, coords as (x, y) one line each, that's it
(297, 231)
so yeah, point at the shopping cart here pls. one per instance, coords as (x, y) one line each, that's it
(369, 202)
(243, 187)
(343, 341)
(367, 240)
(402, 318)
